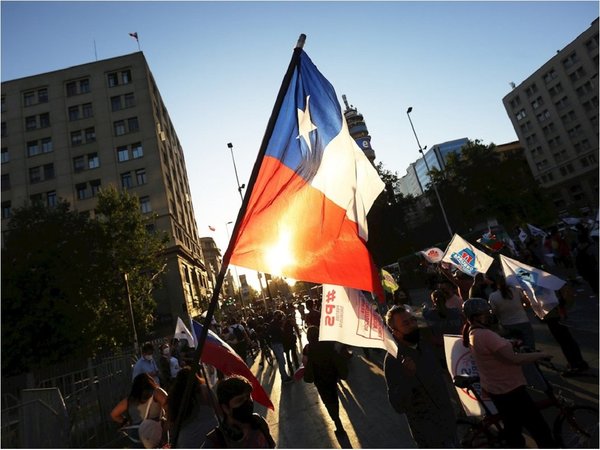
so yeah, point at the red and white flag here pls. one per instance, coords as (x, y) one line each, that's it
(348, 317)
(134, 35)
(211, 228)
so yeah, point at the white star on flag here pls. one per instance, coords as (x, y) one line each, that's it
(305, 125)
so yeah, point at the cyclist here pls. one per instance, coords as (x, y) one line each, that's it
(502, 377)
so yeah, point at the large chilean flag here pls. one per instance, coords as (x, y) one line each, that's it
(306, 217)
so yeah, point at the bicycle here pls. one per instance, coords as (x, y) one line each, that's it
(576, 426)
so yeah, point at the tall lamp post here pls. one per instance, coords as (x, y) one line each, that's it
(437, 194)
(239, 186)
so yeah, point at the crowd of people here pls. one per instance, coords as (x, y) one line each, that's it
(491, 315)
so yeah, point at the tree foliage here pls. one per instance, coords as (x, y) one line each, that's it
(476, 185)
(63, 287)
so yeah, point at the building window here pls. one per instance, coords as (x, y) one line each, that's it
(78, 164)
(560, 156)
(549, 76)
(145, 205)
(115, 103)
(126, 180)
(140, 176)
(5, 181)
(574, 132)
(531, 90)
(119, 127)
(537, 151)
(33, 148)
(82, 192)
(577, 75)
(51, 199)
(566, 169)
(542, 164)
(515, 102)
(549, 129)
(78, 87)
(122, 153)
(569, 117)
(48, 171)
(30, 123)
(570, 60)
(6, 210)
(537, 103)
(46, 145)
(28, 98)
(95, 187)
(543, 116)
(35, 174)
(118, 78)
(586, 88)
(87, 110)
(129, 100)
(136, 150)
(42, 95)
(592, 44)
(93, 161)
(132, 124)
(3, 104)
(76, 138)
(44, 120)
(73, 113)
(555, 142)
(5, 156)
(555, 90)
(122, 127)
(521, 114)
(90, 134)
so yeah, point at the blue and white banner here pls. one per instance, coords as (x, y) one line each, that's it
(466, 258)
(539, 286)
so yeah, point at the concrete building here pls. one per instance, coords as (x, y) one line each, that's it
(68, 133)
(358, 130)
(555, 115)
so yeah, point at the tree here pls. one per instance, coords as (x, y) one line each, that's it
(62, 284)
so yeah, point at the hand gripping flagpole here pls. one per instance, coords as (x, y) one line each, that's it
(234, 236)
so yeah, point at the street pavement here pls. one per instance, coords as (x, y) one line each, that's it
(300, 419)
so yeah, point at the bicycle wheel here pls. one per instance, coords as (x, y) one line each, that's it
(472, 433)
(577, 427)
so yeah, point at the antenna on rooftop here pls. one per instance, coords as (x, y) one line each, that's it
(345, 101)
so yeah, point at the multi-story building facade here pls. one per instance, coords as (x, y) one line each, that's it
(555, 115)
(68, 133)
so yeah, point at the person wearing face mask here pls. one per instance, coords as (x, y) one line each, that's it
(501, 376)
(146, 363)
(415, 384)
(241, 426)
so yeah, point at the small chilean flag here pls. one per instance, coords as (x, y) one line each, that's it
(211, 228)
(134, 35)
(306, 217)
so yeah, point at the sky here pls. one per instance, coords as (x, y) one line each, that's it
(219, 66)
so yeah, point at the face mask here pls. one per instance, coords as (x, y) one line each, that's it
(412, 337)
(148, 357)
(243, 413)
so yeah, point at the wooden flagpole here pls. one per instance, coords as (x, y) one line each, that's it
(233, 240)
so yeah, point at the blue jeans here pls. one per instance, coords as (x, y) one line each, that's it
(279, 355)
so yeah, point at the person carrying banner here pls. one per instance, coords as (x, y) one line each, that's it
(507, 305)
(415, 384)
(502, 377)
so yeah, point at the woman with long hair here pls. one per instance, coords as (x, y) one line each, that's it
(145, 401)
(507, 305)
(200, 414)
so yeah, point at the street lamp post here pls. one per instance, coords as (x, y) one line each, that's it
(437, 194)
(135, 336)
(239, 186)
